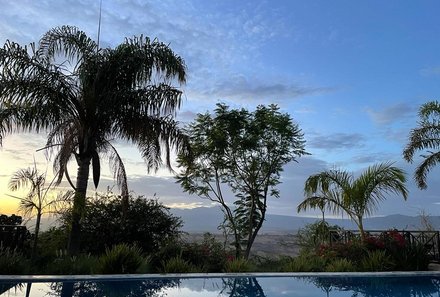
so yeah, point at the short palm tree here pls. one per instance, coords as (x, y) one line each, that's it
(38, 200)
(340, 192)
(426, 137)
(85, 97)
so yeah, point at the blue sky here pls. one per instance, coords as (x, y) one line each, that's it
(352, 74)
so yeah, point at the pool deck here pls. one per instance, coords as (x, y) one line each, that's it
(58, 278)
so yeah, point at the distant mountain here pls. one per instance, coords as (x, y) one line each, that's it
(204, 219)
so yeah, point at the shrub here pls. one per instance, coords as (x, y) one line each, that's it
(305, 263)
(209, 254)
(12, 261)
(414, 257)
(238, 265)
(121, 259)
(147, 224)
(65, 264)
(376, 261)
(340, 265)
(177, 265)
(313, 235)
(352, 250)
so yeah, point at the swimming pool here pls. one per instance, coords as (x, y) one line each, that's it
(221, 285)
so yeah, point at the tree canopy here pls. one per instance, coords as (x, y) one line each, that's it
(425, 138)
(244, 152)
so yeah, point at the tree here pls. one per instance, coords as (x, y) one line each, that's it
(426, 137)
(38, 199)
(85, 97)
(148, 224)
(13, 220)
(340, 192)
(244, 152)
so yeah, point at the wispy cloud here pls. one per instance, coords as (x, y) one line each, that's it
(430, 71)
(391, 114)
(245, 88)
(337, 141)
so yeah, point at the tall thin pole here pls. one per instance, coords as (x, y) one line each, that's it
(99, 24)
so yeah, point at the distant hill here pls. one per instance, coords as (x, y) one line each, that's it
(206, 219)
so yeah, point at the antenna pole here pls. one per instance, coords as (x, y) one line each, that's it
(99, 24)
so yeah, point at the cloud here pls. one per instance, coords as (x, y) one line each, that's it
(391, 114)
(337, 141)
(430, 71)
(245, 88)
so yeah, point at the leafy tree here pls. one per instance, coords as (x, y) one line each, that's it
(37, 200)
(340, 192)
(13, 220)
(85, 97)
(148, 224)
(425, 138)
(245, 152)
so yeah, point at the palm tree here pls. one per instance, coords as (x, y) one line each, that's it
(37, 200)
(426, 137)
(340, 192)
(85, 97)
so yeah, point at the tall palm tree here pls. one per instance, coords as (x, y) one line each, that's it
(85, 97)
(340, 192)
(426, 137)
(38, 200)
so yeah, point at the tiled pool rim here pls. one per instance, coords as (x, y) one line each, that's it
(106, 277)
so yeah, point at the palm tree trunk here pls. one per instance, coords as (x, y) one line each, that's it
(79, 204)
(361, 227)
(37, 231)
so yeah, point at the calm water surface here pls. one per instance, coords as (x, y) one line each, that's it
(241, 286)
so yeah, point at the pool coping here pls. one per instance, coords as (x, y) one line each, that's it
(109, 277)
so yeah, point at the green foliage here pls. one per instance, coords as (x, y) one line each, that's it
(425, 138)
(121, 259)
(238, 265)
(340, 265)
(244, 151)
(414, 257)
(178, 265)
(66, 264)
(305, 263)
(338, 191)
(311, 236)
(12, 262)
(147, 223)
(210, 254)
(376, 260)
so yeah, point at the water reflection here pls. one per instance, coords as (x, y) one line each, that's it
(119, 288)
(422, 286)
(388, 286)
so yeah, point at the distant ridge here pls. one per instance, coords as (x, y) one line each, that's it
(204, 219)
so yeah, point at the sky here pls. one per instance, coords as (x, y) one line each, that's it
(352, 75)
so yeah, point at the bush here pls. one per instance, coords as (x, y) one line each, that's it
(65, 264)
(340, 265)
(12, 262)
(305, 263)
(147, 224)
(121, 259)
(313, 235)
(178, 265)
(376, 261)
(238, 265)
(209, 254)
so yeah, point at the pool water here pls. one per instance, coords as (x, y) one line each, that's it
(250, 286)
